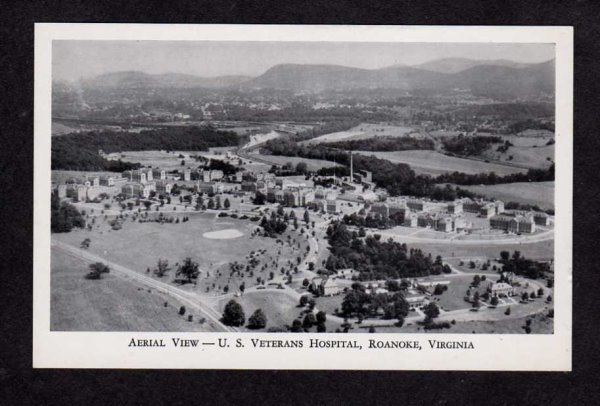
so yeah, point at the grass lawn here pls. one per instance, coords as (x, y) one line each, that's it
(110, 304)
(138, 246)
(538, 193)
(540, 324)
(435, 163)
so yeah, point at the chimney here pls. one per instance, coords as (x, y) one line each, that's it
(351, 169)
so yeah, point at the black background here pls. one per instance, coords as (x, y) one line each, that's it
(20, 384)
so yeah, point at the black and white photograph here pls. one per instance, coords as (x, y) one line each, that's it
(392, 193)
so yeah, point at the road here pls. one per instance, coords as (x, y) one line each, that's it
(189, 298)
(540, 237)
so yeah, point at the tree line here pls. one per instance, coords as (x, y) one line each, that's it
(80, 151)
(382, 143)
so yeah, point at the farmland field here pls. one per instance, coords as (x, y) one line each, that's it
(365, 131)
(529, 152)
(435, 163)
(109, 304)
(538, 193)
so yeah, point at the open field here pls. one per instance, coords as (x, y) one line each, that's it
(538, 193)
(365, 131)
(109, 304)
(435, 163)
(155, 159)
(532, 154)
(139, 246)
(313, 164)
(196, 239)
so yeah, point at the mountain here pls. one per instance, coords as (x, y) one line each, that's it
(141, 80)
(455, 65)
(481, 79)
(504, 81)
(316, 78)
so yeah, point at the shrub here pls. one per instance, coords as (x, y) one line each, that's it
(182, 310)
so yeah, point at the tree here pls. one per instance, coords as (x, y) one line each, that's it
(476, 303)
(507, 312)
(362, 232)
(233, 315)
(321, 317)
(494, 301)
(296, 326)
(64, 216)
(309, 321)
(303, 300)
(306, 217)
(301, 167)
(259, 198)
(86, 243)
(226, 204)
(189, 269)
(162, 268)
(321, 328)
(257, 320)
(431, 311)
(305, 282)
(96, 270)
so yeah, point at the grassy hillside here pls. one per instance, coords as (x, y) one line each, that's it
(109, 304)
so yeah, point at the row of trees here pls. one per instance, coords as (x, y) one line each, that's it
(490, 178)
(382, 143)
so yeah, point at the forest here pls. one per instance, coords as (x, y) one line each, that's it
(469, 146)
(80, 151)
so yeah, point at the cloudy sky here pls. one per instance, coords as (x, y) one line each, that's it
(76, 59)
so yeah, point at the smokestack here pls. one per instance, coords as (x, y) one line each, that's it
(351, 169)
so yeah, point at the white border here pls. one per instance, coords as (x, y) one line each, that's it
(493, 351)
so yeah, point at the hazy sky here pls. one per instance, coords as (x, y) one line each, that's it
(72, 60)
